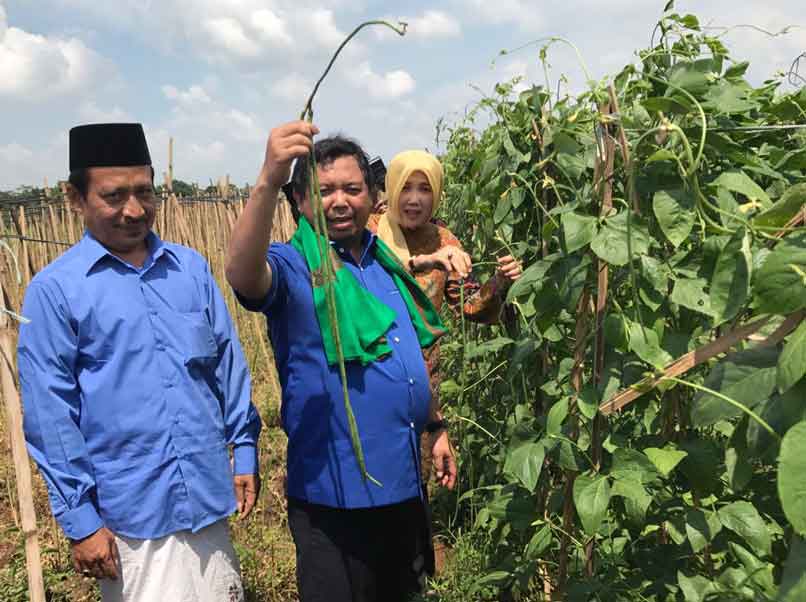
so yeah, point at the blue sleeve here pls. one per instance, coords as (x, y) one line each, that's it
(241, 420)
(47, 354)
(277, 291)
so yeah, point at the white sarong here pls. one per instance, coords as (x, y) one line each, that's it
(181, 567)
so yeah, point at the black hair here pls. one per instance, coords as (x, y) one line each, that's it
(328, 150)
(80, 179)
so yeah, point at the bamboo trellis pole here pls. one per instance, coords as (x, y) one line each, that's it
(22, 470)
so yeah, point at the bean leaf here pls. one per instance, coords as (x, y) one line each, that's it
(674, 210)
(701, 528)
(780, 284)
(591, 498)
(746, 376)
(791, 471)
(665, 460)
(690, 293)
(645, 343)
(792, 363)
(539, 543)
(743, 519)
(525, 462)
(730, 284)
(630, 464)
(793, 584)
(785, 209)
(610, 244)
(557, 415)
(579, 230)
(738, 181)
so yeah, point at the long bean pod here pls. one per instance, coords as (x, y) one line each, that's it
(326, 269)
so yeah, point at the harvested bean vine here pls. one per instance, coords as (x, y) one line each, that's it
(326, 265)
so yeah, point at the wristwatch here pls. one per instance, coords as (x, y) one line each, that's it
(436, 425)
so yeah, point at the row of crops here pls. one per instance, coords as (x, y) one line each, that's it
(636, 429)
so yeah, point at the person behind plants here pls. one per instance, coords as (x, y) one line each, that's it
(355, 541)
(432, 253)
(135, 387)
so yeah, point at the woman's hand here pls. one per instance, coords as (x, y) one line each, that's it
(509, 270)
(448, 258)
(444, 461)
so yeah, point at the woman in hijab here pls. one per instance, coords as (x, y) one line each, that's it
(435, 257)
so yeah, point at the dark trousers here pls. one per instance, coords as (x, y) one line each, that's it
(365, 555)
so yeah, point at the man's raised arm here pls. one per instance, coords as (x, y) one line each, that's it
(247, 269)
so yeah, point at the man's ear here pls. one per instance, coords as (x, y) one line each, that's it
(75, 199)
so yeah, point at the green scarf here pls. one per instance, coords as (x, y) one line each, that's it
(362, 319)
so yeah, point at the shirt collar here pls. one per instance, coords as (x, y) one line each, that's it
(368, 239)
(93, 251)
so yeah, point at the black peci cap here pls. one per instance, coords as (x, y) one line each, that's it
(108, 145)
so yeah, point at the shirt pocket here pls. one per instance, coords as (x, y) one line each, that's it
(198, 340)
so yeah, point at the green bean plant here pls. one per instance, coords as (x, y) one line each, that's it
(640, 431)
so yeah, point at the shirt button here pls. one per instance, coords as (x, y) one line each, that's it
(411, 424)
(396, 339)
(411, 381)
(341, 249)
(160, 347)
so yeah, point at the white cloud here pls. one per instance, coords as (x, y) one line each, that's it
(14, 152)
(90, 112)
(292, 87)
(390, 85)
(433, 24)
(36, 67)
(24, 164)
(209, 141)
(228, 34)
(195, 95)
(323, 29)
(242, 122)
(525, 14)
(272, 28)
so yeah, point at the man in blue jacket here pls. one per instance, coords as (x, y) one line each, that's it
(135, 388)
(358, 539)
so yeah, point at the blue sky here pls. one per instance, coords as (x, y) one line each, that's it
(218, 74)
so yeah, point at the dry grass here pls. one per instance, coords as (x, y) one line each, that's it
(263, 542)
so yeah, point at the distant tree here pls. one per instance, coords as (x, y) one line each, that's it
(184, 189)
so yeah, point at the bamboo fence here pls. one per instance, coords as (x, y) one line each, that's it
(36, 233)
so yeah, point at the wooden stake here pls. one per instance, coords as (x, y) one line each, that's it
(25, 494)
(170, 164)
(694, 358)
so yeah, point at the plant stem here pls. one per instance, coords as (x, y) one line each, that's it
(307, 112)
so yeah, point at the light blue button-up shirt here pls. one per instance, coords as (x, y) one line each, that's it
(390, 396)
(134, 387)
